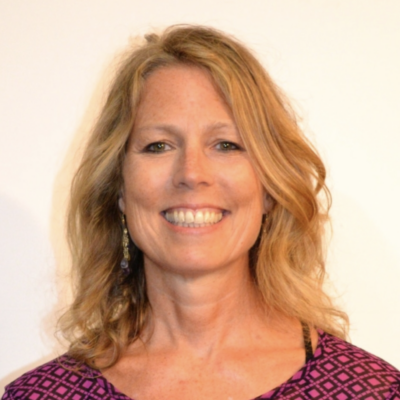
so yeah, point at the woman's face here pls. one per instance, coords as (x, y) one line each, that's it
(191, 196)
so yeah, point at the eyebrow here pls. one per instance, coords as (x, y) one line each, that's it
(175, 130)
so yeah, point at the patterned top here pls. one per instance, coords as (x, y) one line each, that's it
(337, 371)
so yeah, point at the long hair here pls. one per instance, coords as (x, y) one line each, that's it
(287, 261)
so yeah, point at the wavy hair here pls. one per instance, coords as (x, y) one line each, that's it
(287, 261)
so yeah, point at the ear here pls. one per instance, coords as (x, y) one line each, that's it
(268, 203)
(121, 202)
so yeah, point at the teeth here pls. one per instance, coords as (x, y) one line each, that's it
(189, 217)
(193, 219)
(199, 219)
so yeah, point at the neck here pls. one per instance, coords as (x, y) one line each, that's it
(203, 311)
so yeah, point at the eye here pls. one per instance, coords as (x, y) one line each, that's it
(157, 147)
(228, 146)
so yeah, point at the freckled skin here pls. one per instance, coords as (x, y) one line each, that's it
(191, 169)
(207, 334)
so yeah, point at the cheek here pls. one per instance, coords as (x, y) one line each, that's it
(136, 183)
(137, 198)
(249, 198)
(250, 190)
(141, 212)
(143, 188)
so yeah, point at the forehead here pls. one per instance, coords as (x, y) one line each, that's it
(172, 75)
(181, 89)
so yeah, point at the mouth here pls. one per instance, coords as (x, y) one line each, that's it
(193, 218)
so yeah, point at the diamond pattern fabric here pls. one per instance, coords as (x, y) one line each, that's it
(340, 371)
(337, 371)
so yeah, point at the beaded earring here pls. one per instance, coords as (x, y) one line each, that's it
(125, 269)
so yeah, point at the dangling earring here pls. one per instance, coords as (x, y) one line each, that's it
(125, 269)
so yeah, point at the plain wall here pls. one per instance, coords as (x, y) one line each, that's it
(339, 60)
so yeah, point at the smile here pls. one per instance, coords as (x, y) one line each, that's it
(193, 219)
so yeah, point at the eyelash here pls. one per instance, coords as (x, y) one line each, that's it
(228, 146)
(161, 147)
(151, 148)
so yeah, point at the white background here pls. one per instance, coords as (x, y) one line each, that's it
(339, 60)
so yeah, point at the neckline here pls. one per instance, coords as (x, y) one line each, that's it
(268, 395)
(311, 360)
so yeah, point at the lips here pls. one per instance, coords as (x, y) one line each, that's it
(192, 218)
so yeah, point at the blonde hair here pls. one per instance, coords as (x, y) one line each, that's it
(287, 261)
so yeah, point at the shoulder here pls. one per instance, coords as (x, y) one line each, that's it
(351, 372)
(342, 371)
(61, 378)
(340, 354)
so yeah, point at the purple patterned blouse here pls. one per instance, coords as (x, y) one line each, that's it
(337, 370)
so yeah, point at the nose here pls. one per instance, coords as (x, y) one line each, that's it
(193, 168)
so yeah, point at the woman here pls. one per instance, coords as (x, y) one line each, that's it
(196, 224)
